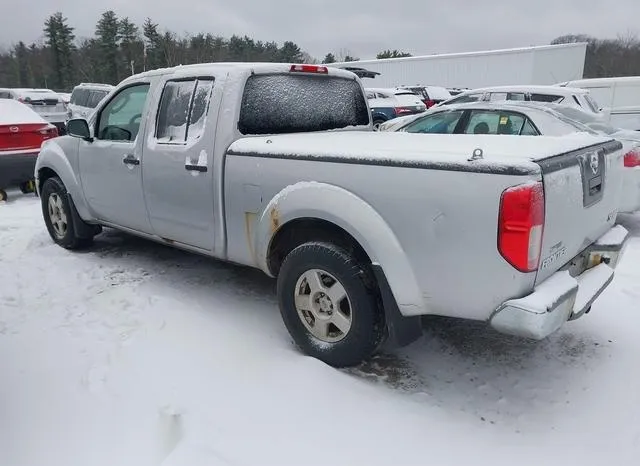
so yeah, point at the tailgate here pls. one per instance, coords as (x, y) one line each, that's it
(582, 193)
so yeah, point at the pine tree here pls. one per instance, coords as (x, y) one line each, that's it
(392, 54)
(25, 77)
(59, 39)
(329, 58)
(108, 38)
(153, 56)
(290, 53)
(130, 45)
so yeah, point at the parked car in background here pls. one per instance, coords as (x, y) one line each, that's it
(528, 119)
(65, 97)
(355, 266)
(454, 91)
(387, 104)
(85, 97)
(22, 132)
(567, 96)
(630, 199)
(430, 95)
(44, 102)
(619, 97)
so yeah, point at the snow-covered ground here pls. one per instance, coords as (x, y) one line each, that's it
(132, 353)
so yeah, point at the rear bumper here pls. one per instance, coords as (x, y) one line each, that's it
(16, 168)
(563, 297)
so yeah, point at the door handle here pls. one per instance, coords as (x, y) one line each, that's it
(195, 168)
(130, 159)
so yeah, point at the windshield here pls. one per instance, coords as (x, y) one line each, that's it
(292, 103)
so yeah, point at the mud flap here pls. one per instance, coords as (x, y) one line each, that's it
(401, 330)
(81, 228)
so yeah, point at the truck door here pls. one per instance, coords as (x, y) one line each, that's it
(110, 165)
(178, 170)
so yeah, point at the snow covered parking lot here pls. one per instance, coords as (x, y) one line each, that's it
(131, 353)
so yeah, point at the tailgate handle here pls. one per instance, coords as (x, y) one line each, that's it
(595, 185)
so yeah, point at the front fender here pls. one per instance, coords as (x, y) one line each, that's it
(61, 156)
(355, 216)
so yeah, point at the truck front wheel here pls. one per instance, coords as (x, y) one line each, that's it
(58, 216)
(328, 304)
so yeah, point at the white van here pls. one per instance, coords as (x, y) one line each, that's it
(619, 98)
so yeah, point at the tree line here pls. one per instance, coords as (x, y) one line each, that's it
(120, 48)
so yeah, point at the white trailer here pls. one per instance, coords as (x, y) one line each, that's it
(547, 64)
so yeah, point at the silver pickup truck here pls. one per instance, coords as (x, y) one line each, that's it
(365, 231)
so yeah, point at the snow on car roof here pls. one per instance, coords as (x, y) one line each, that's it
(559, 90)
(13, 112)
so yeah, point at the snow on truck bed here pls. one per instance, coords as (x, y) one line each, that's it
(415, 148)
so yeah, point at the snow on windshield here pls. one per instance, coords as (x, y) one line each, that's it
(288, 103)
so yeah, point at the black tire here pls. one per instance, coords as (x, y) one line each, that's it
(3, 195)
(67, 238)
(27, 187)
(366, 316)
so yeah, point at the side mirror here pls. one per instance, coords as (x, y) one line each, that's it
(79, 128)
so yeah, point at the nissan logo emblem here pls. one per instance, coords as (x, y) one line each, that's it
(594, 163)
(14, 129)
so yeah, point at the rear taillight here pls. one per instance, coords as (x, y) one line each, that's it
(632, 158)
(399, 111)
(429, 103)
(520, 225)
(49, 132)
(310, 69)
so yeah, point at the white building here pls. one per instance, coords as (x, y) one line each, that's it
(548, 64)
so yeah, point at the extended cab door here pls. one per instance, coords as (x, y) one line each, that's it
(178, 167)
(110, 165)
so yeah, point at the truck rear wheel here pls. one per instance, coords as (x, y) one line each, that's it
(327, 306)
(58, 215)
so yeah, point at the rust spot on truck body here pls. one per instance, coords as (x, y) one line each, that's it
(274, 217)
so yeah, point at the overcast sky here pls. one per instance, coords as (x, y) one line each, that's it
(361, 28)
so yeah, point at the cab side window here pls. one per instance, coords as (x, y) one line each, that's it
(183, 109)
(120, 119)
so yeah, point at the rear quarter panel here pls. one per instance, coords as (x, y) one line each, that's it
(445, 222)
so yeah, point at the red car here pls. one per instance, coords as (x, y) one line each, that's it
(22, 132)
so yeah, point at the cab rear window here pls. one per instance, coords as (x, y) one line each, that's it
(292, 103)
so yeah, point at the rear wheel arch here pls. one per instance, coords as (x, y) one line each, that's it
(309, 209)
(303, 230)
(44, 174)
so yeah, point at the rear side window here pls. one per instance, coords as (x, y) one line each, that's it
(528, 129)
(464, 99)
(439, 123)
(546, 98)
(519, 96)
(288, 103)
(183, 108)
(486, 122)
(5, 95)
(79, 97)
(94, 98)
